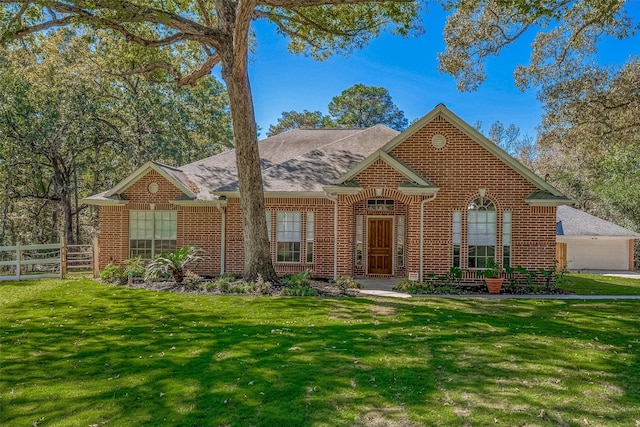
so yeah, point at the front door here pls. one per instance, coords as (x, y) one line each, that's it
(380, 245)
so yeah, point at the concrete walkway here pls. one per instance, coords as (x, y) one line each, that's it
(384, 288)
(614, 273)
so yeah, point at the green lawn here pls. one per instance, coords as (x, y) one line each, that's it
(597, 284)
(80, 353)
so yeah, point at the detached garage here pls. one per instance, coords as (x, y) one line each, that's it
(593, 243)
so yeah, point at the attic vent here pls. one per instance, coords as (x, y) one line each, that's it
(153, 188)
(438, 141)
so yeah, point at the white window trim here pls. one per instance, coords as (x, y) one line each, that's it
(299, 241)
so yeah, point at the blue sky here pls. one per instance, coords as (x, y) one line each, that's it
(407, 68)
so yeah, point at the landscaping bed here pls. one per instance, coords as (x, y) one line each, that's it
(233, 286)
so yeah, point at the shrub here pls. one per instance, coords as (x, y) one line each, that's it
(134, 266)
(299, 279)
(347, 282)
(414, 287)
(172, 263)
(112, 273)
(191, 279)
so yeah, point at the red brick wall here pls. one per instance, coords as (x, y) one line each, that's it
(322, 265)
(197, 226)
(459, 169)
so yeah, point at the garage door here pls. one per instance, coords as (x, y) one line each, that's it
(600, 254)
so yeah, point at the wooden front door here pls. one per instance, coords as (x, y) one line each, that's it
(380, 238)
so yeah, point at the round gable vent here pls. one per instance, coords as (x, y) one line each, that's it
(153, 188)
(438, 141)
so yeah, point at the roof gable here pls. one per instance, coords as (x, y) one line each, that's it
(473, 134)
(411, 175)
(173, 175)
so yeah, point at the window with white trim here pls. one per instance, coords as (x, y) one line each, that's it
(400, 241)
(288, 236)
(481, 232)
(359, 239)
(268, 218)
(152, 233)
(457, 238)
(310, 236)
(506, 239)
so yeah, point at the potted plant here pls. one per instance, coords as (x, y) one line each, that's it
(493, 276)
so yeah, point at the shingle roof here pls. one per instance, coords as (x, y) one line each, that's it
(299, 160)
(307, 160)
(573, 222)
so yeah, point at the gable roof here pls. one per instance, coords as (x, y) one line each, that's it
(555, 197)
(171, 174)
(573, 222)
(299, 160)
(312, 160)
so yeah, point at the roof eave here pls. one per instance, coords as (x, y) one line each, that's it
(196, 202)
(549, 202)
(342, 189)
(104, 202)
(273, 194)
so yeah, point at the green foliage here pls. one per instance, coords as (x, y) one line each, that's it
(172, 263)
(363, 106)
(435, 286)
(134, 266)
(73, 123)
(112, 273)
(302, 278)
(296, 120)
(493, 270)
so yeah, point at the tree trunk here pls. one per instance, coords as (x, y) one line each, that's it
(257, 254)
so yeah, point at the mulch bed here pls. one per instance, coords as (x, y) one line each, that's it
(327, 289)
(322, 289)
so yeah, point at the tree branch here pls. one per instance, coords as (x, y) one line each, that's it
(205, 13)
(202, 71)
(295, 4)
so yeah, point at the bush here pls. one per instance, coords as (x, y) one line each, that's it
(345, 283)
(112, 273)
(191, 279)
(135, 266)
(441, 285)
(299, 279)
(172, 263)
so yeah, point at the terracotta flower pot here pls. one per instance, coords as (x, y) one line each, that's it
(494, 284)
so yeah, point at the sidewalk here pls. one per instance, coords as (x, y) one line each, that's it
(384, 288)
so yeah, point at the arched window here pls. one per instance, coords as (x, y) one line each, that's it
(481, 232)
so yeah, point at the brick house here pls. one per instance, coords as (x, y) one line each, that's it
(346, 202)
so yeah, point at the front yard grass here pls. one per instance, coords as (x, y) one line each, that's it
(81, 353)
(598, 284)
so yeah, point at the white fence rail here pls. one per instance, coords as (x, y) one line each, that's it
(22, 262)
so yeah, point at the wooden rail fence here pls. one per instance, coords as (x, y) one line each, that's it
(26, 262)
